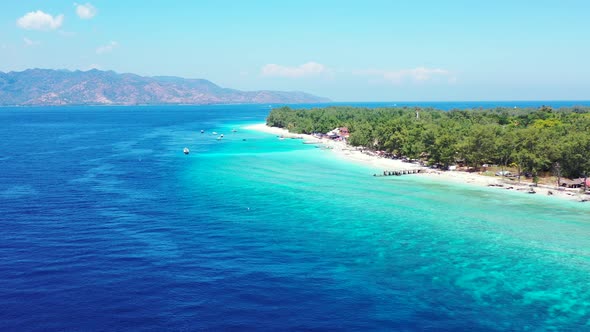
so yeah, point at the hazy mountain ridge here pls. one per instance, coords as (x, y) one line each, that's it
(96, 87)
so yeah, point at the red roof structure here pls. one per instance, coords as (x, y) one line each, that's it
(344, 132)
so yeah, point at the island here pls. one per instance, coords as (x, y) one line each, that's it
(48, 87)
(544, 149)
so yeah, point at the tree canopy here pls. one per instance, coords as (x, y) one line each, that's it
(533, 139)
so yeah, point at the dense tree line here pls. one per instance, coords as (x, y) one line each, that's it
(533, 140)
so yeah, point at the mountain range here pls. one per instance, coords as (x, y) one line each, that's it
(36, 87)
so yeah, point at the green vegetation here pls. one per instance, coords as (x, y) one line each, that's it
(534, 141)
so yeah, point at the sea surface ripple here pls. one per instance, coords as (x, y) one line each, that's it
(107, 225)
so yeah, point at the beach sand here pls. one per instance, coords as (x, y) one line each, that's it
(342, 150)
(346, 152)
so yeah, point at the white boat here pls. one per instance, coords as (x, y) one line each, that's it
(186, 151)
(221, 135)
(202, 131)
(214, 133)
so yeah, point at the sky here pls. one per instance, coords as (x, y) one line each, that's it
(366, 50)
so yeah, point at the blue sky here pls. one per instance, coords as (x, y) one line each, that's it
(343, 50)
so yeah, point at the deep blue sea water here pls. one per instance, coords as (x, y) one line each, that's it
(106, 225)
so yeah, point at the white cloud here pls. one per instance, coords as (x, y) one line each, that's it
(31, 43)
(106, 48)
(86, 11)
(40, 21)
(416, 75)
(306, 69)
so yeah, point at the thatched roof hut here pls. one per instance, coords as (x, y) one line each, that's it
(576, 183)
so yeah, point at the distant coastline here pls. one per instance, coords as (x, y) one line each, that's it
(443, 105)
(48, 87)
(147, 105)
(464, 104)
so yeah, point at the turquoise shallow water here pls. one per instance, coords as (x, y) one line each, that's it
(472, 256)
(107, 225)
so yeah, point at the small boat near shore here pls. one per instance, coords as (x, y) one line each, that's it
(186, 151)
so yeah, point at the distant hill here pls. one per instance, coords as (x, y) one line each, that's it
(96, 87)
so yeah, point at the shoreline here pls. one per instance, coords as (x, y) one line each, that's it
(348, 153)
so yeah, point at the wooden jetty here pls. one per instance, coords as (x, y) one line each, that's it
(400, 172)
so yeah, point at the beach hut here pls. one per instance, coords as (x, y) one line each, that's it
(343, 131)
(576, 183)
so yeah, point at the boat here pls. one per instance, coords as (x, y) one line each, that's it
(233, 130)
(202, 131)
(214, 133)
(221, 135)
(186, 151)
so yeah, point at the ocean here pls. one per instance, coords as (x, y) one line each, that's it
(107, 226)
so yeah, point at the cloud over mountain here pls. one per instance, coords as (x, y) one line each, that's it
(106, 48)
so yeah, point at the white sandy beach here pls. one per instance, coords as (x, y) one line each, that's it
(344, 151)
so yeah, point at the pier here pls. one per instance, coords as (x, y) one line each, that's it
(400, 172)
